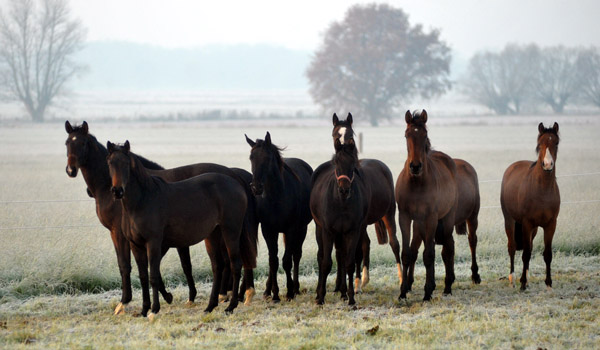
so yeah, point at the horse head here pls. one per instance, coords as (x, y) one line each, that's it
(547, 146)
(417, 141)
(266, 161)
(119, 165)
(342, 131)
(346, 155)
(77, 147)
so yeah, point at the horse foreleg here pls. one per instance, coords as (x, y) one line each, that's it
(527, 247)
(404, 223)
(358, 261)
(350, 246)
(448, 252)
(366, 259)
(324, 266)
(124, 260)
(548, 235)
(141, 259)
(272, 286)
(340, 253)
(339, 276)
(428, 228)
(154, 251)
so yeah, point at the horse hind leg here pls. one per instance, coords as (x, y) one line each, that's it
(271, 285)
(297, 255)
(472, 224)
(509, 227)
(448, 252)
(393, 240)
(186, 265)
(548, 236)
(527, 248)
(287, 262)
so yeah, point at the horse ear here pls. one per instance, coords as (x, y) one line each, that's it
(68, 127)
(84, 127)
(126, 146)
(408, 117)
(336, 121)
(349, 118)
(424, 116)
(555, 127)
(110, 147)
(541, 128)
(268, 139)
(250, 142)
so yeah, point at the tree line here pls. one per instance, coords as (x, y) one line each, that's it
(522, 77)
(372, 63)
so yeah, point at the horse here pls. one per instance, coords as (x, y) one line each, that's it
(382, 205)
(530, 199)
(282, 189)
(209, 207)
(85, 153)
(339, 203)
(426, 194)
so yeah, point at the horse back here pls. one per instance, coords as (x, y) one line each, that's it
(467, 185)
(188, 171)
(378, 177)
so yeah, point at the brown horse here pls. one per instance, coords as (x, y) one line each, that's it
(530, 199)
(426, 194)
(209, 207)
(85, 153)
(382, 206)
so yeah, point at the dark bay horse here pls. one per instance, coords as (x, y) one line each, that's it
(282, 189)
(426, 194)
(85, 153)
(530, 199)
(382, 205)
(209, 207)
(339, 203)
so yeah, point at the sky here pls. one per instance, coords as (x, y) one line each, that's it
(466, 25)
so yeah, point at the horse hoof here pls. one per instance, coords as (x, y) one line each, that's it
(229, 311)
(319, 302)
(168, 298)
(189, 303)
(549, 288)
(476, 279)
(511, 280)
(276, 301)
(250, 292)
(152, 317)
(120, 309)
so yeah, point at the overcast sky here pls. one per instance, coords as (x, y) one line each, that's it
(466, 25)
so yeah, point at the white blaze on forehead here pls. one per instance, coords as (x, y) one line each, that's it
(416, 129)
(342, 132)
(74, 138)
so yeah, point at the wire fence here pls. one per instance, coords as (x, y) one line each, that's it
(97, 225)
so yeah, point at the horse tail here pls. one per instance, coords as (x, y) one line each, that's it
(380, 229)
(461, 228)
(248, 245)
(519, 235)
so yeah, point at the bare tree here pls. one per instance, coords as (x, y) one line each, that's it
(502, 81)
(373, 59)
(555, 81)
(588, 75)
(37, 43)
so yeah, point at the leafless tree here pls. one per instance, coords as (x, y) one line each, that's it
(502, 81)
(37, 42)
(373, 59)
(556, 77)
(588, 75)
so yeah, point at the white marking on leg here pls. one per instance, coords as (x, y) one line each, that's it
(399, 267)
(189, 303)
(342, 132)
(365, 277)
(152, 317)
(250, 292)
(511, 280)
(222, 298)
(120, 309)
(357, 286)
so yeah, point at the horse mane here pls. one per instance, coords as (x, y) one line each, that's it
(273, 149)
(148, 164)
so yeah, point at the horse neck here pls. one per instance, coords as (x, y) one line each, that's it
(95, 171)
(140, 185)
(274, 182)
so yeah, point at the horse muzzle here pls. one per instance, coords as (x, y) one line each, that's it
(117, 192)
(71, 171)
(416, 169)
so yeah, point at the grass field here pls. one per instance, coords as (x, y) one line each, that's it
(59, 285)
